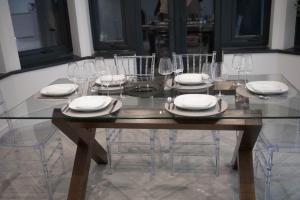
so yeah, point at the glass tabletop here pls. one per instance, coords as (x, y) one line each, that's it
(138, 104)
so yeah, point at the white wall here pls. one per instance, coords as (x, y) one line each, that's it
(263, 63)
(80, 27)
(9, 58)
(282, 24)
(289, 66)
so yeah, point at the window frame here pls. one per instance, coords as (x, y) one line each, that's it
(228, 38)
(131, 26)
(47, 55)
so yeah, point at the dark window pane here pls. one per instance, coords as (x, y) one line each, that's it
(155, 27)
(249, 18)
(37, 24)
(110, 21)
(200, 26)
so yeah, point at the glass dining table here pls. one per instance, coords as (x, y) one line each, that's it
(147, 109)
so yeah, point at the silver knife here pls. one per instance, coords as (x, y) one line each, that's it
(113, 105)
(220, 104)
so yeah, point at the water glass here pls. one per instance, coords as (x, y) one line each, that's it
(165, 66)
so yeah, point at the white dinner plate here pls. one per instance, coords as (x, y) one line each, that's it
(111, 79)
(267, 87)
(90, 103)
(191, 79)
(59, 89)
(195, 101)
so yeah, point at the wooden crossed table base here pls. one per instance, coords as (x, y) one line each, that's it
(82, 133)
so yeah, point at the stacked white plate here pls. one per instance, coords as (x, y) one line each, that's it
(191, 78)
(111, 80)
(90, 103)
(267, 87)
(59, 89)
(195, 101)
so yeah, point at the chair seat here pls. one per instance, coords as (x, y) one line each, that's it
(28, 136)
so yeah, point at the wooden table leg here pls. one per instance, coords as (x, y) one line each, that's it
(78, 134)
(243, 160)
(87, 148)
(80, 172)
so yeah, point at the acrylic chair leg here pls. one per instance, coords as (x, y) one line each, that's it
(256, 162)
(157, 140)
(18, 159)
(45, 171)
(61, 153)
(172, 135)
(120, 139)
(268, 186)
(217, 151)
(152, 149)
(108, 144)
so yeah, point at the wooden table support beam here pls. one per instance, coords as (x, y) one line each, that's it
(82, 132)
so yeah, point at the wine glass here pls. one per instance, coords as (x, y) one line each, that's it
(89, 74)
(71, 71)
(178, 65)
(79, 78)
(238, 65)
(248, 66)
(165, 66)
(99, 64)
(218, 75)
(106, 75)
(207, 68)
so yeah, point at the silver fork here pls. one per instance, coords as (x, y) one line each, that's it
(173, 106)
(66, 107)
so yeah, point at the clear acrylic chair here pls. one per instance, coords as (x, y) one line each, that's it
(194, 63)
(20, 134)
(136, 68)
(276, 152)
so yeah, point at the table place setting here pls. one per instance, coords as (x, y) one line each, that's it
(189, 81)
(91, 106)
(196, 105)
(57, 91)
(264, 90)
(111, 82)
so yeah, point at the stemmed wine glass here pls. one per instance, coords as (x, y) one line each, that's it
(79, 78)
(178, 67)
(207, 68)
(238, 65)
(165, 67)
(106, 76)
(71, 71)
(218, 75)
(248, 66)
(89, 74)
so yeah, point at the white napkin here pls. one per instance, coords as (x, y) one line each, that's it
(265, 87)
(195, 101)
(191, 78)
(59, 89)
(113, 78)
(90, 103)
